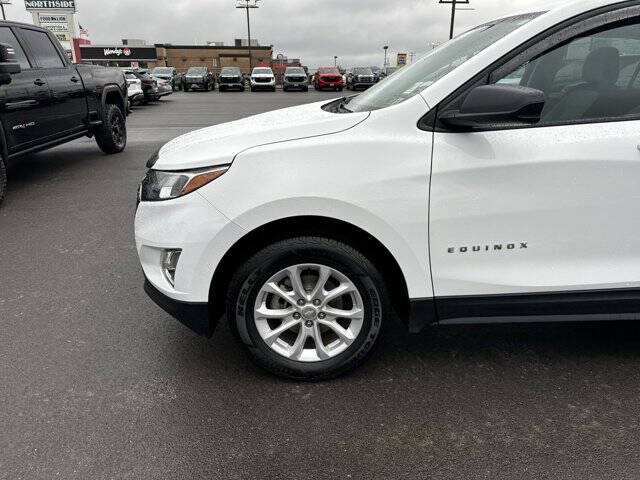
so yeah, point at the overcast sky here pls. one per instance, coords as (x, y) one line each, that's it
(312, 30)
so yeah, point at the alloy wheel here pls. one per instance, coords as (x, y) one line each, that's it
(309, 312)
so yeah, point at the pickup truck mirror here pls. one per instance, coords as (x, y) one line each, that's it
(491, 105)
(8, 64)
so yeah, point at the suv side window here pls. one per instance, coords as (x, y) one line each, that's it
(7, 36)
(593, 77)
(44, 51)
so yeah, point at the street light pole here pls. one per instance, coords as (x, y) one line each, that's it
(247, 4)
(335, 60)
(384, 65)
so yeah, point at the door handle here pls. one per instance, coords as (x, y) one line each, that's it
(75, 79)
(39, 82)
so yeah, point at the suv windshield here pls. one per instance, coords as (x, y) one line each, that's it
(260, 71)
(230, 71)
(197, 70)
(162, 71)
(362, 71)
(328, 70)
(294, 71)
(412, 79)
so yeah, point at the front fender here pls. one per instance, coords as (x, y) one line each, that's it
(352, 214)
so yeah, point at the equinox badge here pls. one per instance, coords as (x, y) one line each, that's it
(489, 248)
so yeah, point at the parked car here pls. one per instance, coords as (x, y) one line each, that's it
(149, 84)
(505, 202)
(360, 78)
(134, 90)
(328, 77)
(231, 78)
(295, 78)
(45, 100)
(199, 77)
(262, 78)
(164, 88)
(169, 74)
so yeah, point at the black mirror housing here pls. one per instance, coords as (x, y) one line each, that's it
(492, 105)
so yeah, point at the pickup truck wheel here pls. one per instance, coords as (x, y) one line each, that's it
(112, 134)
(3, 180)
(307, 308)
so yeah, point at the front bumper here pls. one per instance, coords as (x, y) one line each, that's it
(192, 225)
(267, 85)
(194, 316)
(363, 85)
(204, 235)
(225, 85)
(328, 84)
(293, 84)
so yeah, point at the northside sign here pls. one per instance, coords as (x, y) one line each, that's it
(67, 5)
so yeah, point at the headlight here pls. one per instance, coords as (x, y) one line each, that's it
(158, 185)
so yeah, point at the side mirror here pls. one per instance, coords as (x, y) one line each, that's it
(491, 105)
(8, 65)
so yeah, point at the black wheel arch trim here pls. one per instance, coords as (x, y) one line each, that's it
(113, 88)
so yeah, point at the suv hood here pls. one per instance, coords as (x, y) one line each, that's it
(219, 144)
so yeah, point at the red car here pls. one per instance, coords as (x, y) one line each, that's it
(328, 77)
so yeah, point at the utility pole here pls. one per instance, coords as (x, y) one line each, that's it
(454, 4)
(384, 65)
(247, 4)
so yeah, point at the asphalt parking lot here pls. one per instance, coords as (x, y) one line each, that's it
(97, 382)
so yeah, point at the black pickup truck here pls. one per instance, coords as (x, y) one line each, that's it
(45, 100)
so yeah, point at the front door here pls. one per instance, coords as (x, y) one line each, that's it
(69, 105)
(551, 208)
(24, 101)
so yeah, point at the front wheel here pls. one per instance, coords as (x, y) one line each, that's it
(307, 308)
(111, 136)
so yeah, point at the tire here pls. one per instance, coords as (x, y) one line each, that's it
(340, 89)
(111, 136)
(273, 89)
(368, 302)
(3, 180)
(253, 89)
(305, 89)
(242, 89)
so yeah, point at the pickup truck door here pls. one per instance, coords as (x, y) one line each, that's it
(68, 111)
(24, 101)
(520, 214)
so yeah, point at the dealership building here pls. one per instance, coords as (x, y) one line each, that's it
(180, 56)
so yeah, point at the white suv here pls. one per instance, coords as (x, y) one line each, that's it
(496, 179)
(262, 78)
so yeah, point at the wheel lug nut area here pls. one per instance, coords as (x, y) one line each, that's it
(296, 316)
(316, 302)
(308, 323)
(301, 303)
(322, 315)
